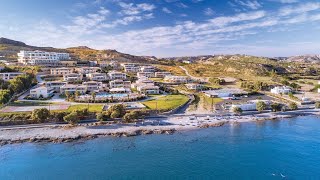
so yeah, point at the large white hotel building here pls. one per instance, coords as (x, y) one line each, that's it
(41, 58)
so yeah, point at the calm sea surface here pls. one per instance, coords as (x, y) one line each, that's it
(287, 149)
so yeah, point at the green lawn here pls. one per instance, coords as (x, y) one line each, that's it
(209, 100)
(166, 103)
(92, 107)
(29, 103)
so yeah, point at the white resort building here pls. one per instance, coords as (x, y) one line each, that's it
(97, 76)
(195, 86)
(88, 70)
(113, 75)
(61, 71)
(119, 84)
(281, 90)
(177, 79)
(41, 92)
(162, 74)
(9, 75)
(145, 74)
(55, 85)
(147, 69)
(41, 58)
(73, 77)
(130, 67)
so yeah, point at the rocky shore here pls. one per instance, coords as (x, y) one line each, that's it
(65, 133)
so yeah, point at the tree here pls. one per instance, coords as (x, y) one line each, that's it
(237, 110)
(129, 117)
(317, 105)
(115, 114)
(94, 94)
(275, 107)
(261, 106)
(40, 115)
(293, 106)
(4, 96)
(71, 118)
(77, 94)
(102, 116)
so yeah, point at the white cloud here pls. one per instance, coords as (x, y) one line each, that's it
(166, 10)
(301, 8)
(251, 4)
(134, 9)
(208, 12)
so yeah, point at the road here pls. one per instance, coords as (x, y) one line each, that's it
(193, 77)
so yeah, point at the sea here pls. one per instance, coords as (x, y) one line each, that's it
(277, 149)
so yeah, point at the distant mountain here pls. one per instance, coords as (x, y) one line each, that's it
(304, 59)
(9, 48)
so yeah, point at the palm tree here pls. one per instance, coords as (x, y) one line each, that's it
(77, 94)
(94, 94)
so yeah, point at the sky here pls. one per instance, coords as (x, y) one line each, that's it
(166, 28)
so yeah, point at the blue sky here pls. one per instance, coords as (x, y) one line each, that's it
(167, 27)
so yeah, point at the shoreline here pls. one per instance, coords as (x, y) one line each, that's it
(65, 133)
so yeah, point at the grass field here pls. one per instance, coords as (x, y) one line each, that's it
(175, 70)
(166, 103)
(92, 107)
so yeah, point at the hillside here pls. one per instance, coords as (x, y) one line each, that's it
(304, 59)
(9, 48)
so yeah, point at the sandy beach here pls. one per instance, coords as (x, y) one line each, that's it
(64, 133)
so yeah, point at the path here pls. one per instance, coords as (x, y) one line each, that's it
(193, 77)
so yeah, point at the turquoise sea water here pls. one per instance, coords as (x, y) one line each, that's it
(269, 150)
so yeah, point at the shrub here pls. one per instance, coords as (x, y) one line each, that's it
(71, 118)
(40, 115)
(131, 116)
(317, 105)
(261, 106)
(115, 114)
(58, 116)
(275, 107)
(237, 110)
(102, 116)
(293, 106)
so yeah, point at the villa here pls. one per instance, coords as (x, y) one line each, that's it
(55, 85)
(147, 68)
(97, 76)
(177, 79)
(113, 75)
(281, 90)
(73, 77)
(162, 74)
(88, 70)
(195, 86)
(9, 75)
(145, 74)
(119, 84)
(41, 92)
(130, 67)
(148, 89)
(41, 58)
(72, 88)
(61, 71)
(93, 86)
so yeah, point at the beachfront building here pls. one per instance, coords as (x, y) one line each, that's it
(130, 67)
(73, 77)
(120, 90)
(41, 58)
(119, 84)
(72, 88)
(114, 75)
(195, 86)
(281, 90)
(147, 69)
(250, 105)
(225, 93)
(41, 92)
(93, 86)
(145, 74)
(97, 76)
(148, 89)
(9, 75)
(177, 79)
(55, 85)
(162, 74)
(61, 71)
(88, 70)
